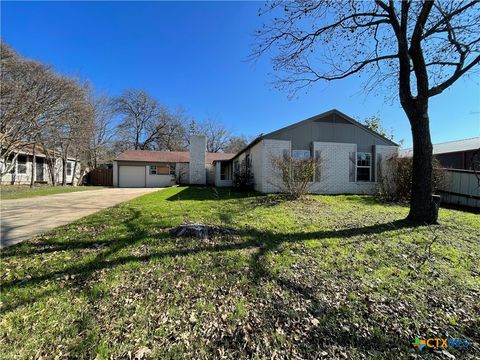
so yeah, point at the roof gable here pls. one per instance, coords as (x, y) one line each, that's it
(317, 118)
(323, 117)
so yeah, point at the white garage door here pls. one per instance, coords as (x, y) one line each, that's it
(131, 176)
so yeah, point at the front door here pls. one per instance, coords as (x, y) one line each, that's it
(39, 170)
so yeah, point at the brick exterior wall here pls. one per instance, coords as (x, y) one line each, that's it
(335, 171)
(197, 168)
(269, 177)
(335, 168)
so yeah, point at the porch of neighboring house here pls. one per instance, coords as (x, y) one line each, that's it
(21, 173)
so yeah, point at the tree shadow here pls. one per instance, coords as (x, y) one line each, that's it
(201, 193)
(105, 259)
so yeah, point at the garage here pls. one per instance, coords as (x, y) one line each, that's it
(131, 176)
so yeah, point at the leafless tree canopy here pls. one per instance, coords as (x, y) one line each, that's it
(39, 107)
(330, 40)
(236, 143)
(146, 124)
(218, 136)
(142, 120)
(103, 131)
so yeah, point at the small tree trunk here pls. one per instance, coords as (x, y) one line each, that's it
(34, 164)
(64, 171)
(422, 207)
(52, 167)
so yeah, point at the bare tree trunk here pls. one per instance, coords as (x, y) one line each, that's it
(422, 207)
(34, 163)
(52, 164)
(51, 169)
(64, 171)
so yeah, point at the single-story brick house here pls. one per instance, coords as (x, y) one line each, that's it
(350, 155)
(21, 172)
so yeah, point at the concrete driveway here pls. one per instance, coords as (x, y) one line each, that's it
(21, 219)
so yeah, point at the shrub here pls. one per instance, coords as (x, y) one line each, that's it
(296, 175)
(395, 178)
(242, 176)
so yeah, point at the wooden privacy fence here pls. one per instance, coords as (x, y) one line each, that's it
(100, 177)
(462, 187)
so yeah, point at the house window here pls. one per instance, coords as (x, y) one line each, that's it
(364, 166)
(301, 154)
(163, 169)
(69, 169)
(21, 164)
(9, 163)
(172, 169)
(224, 171)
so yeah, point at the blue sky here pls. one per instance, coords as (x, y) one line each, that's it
(193, 54)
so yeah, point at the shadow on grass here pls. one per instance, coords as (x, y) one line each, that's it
(109, 257)
(200, 193)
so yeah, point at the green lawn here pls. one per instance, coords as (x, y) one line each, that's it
(25, 191)
(340, 277)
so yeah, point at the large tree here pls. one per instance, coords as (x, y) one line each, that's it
(39, 107)
(140, 125)
(236, 144)
(419, 47)
(146, 124)
(103, 130)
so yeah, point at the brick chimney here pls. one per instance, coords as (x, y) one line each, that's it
(198, 159)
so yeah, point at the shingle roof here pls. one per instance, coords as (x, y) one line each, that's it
(40, 151)
(168, 156)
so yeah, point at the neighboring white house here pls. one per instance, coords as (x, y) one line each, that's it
(350, 155)
(21, 172)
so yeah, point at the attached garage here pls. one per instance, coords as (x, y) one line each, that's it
(131, 176)
(145, 168)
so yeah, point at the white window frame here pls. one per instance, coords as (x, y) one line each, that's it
(18, 164)
(152, 169)
(69, 168)
(363, 166)
(301, 154)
